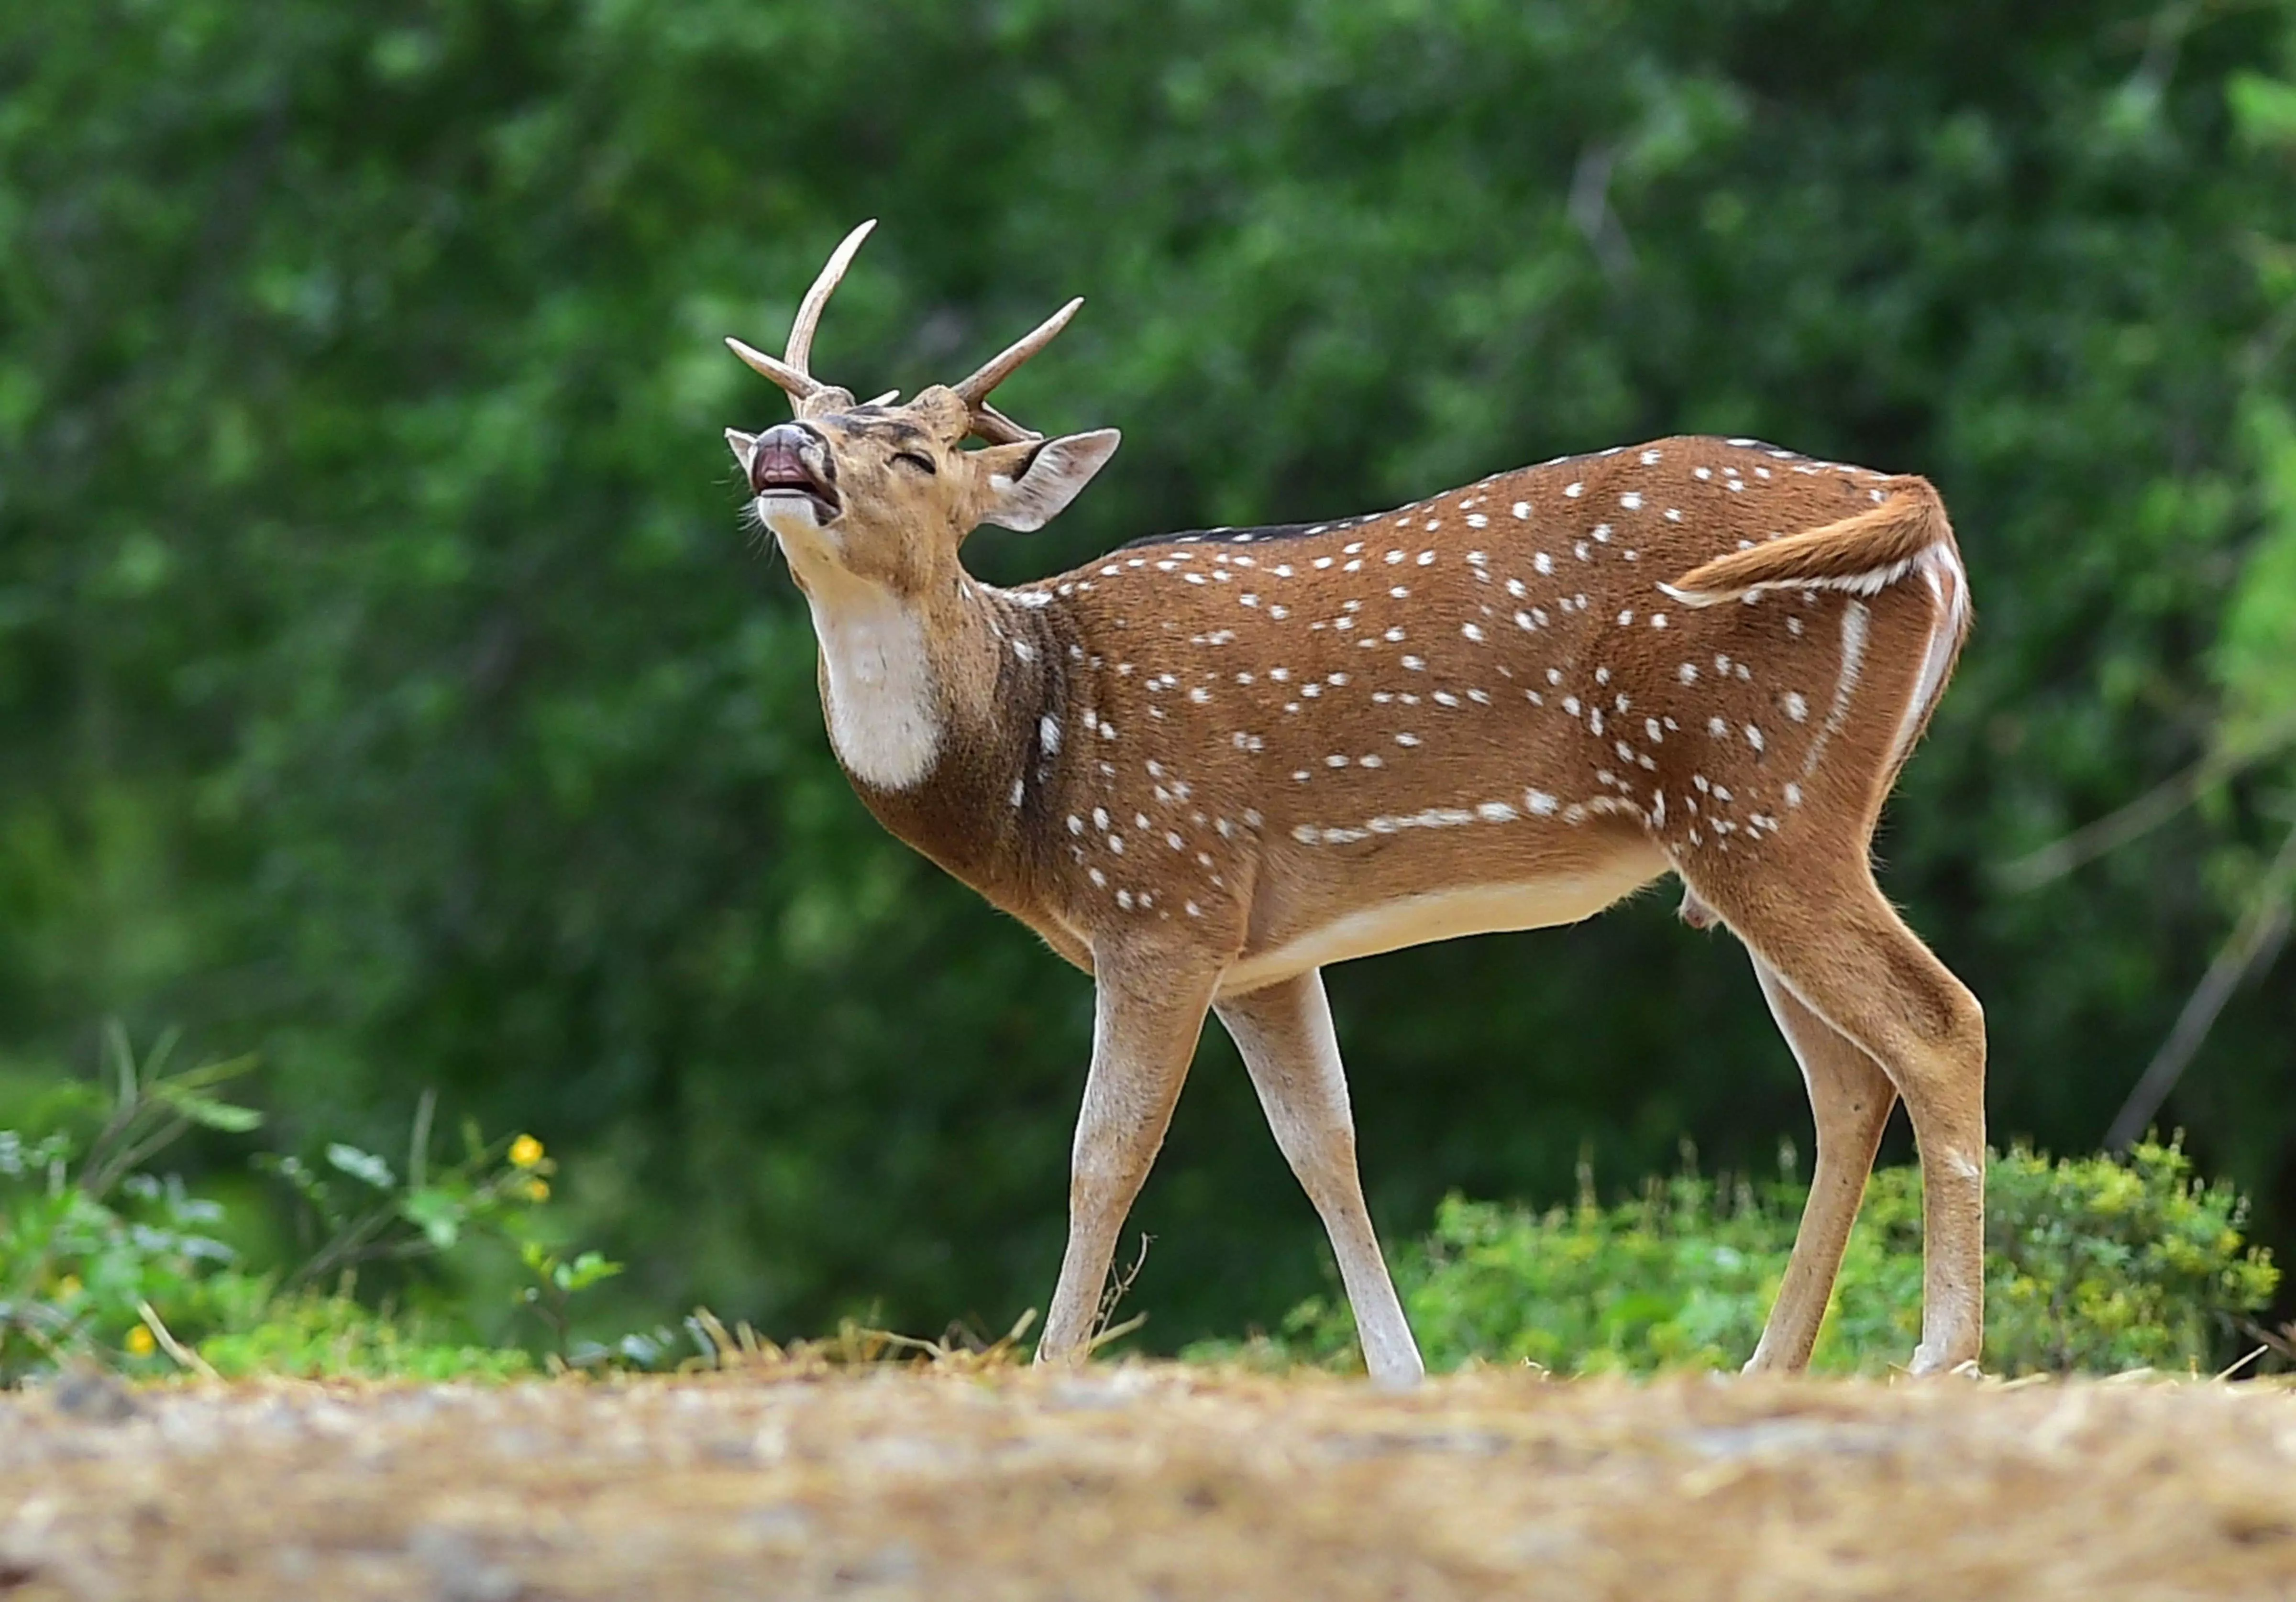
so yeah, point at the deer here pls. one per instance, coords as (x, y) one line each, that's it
(1211, 763)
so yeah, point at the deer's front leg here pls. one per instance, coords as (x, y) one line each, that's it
(1149, 1009)
(1284, 1032)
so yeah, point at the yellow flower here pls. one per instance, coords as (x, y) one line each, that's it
(524, 1151)
(140, 1342)
(538, 1190)
(68, 1288)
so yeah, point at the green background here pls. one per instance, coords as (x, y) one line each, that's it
(387, 686)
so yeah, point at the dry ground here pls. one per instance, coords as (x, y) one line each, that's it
(1147, 1482)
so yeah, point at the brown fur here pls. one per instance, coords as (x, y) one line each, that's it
(1106, 637)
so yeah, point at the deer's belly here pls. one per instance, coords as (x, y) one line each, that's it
(1405, 921)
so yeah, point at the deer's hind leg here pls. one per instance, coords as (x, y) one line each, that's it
(1837, 951)
(1849, 1099)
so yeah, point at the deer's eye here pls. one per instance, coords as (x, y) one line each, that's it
(924, 464)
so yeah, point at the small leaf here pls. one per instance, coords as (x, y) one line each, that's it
(211, 1074)
(438, 1215)
(210, 1114)
(361, 1165)
(587, 1269)
(120, 1057)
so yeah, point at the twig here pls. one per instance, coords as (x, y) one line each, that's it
(2253, 939)
(1118, 1286)
(2242, 1363)
(939, 1351)
(721, 1341)
(352, 1244)
(184, 1355)
(1115, 1332)
(418, 1140)
(2282, 1342)
(2147, 813)
(49, 1349)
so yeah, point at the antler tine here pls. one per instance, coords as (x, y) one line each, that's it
(974, 390)
(809, 312)
(993, 426)
(800, 386)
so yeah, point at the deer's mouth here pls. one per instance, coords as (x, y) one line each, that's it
(782, 470)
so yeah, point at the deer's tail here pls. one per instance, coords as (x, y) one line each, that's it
(1860, 554)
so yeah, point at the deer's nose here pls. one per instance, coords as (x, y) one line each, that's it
(787, 455)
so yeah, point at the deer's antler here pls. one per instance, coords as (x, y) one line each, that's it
(790, 371)
(987, 421)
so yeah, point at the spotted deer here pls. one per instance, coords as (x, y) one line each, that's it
(1209, 765)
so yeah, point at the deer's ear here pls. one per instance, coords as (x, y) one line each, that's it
(743, 446)
(1049, 476)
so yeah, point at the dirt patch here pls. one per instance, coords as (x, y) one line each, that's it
(1141, 1481)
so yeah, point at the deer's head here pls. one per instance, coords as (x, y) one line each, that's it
(886, 491)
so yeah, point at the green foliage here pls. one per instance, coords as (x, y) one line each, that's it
(89, 1242)
(2093, 1266)
(77, 1271)
(313, 1336)
(151, 1108)
(558, 1278)
(2097, 1265)
(2256, 647)
(101, 1259)
(380, 1218)
(386, 685)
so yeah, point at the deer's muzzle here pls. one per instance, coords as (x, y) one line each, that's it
(793, 460)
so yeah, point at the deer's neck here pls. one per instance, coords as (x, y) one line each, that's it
(936, 715)
(886, 698)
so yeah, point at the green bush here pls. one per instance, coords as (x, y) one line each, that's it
(2092, 1265)
(102, 1260)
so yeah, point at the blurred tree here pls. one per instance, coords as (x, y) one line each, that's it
(387, 685)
